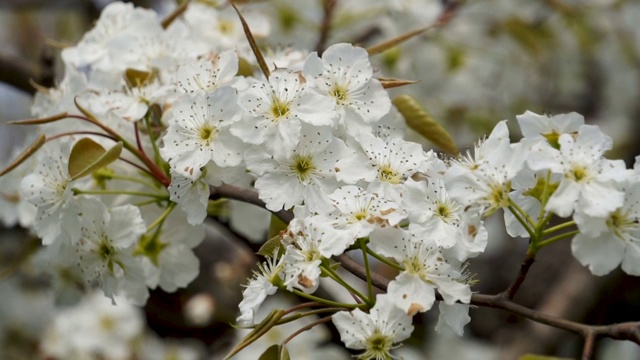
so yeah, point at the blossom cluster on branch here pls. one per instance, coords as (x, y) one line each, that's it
(153, 116)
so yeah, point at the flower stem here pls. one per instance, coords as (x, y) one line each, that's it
(333, 275)
(553, 229)
(517, 211)
(77, 191)
(162, 216)
(544, 243)
(384, 260)
(363, 246)
(325, 301)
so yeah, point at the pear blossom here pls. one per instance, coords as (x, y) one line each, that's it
(612, 240)
(344, 73)
(588, 179)
(308, 173)
(360, 212)
(542, 127)
(484, 178)
(265, 282)
(105, 249)
(94, 328)
(375, 332)
(49, 189)
(166, 253)
(118, 23)
(311, 239)
(383, 163)
(275, 109)
(199, 133)
(14, 208)
(426, 269)
(452, 317)
(431, 209)
(205, 74)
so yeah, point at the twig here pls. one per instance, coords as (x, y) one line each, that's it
(528, 260)
(621, 331)
(587, 350)
(17, 73)
(246, 195)
(329, 7)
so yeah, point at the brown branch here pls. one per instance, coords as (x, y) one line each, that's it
(329, 7)
(621, 331)
(246, 195)
(528, 260)
(589, 342)
(17, 73)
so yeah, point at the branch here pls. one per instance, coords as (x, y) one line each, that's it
(246, 195)
(17, 72)
(621, 331)
(528, 260)
(329, 7)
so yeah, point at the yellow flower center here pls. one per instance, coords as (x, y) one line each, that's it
(302, 166)
(279, 109)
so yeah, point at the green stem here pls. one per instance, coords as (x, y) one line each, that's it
(544, 199)
(384, 260)
(132, 179)
(325, 301)
(544, 243)
(77, 191)
(297, 316)
(144, 203)
(515, 210)
(333, 275)
(553, 229)
(363, 246)
(155, 170)
(162, 216)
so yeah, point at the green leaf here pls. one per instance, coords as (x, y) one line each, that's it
(25, 154)
(40, 121)
(175, 14)
(419, 119)
(138, 78)
(87, 156)
(244, 67)
(271, 353)
(260, 329)
(389, 44)
(276, 226)
(254, 46)
(270, 247)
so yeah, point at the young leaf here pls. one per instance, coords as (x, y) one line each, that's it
(389, 83)
(422, 122)
(175, 14)
(260, 329)
(253, 44)
(376, 49)
(39, 121)
(25, 154)
(270, 246)
(88, 156)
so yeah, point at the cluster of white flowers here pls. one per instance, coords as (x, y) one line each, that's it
(318, 136)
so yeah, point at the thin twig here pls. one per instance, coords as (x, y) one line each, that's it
(621, 331)
(246, 195)
(329, 7)
(528, 260)
(589, 342)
